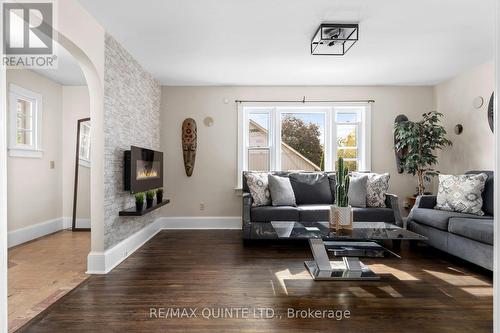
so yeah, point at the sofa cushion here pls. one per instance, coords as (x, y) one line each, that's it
(270, 213)
(480, 230)
(311, 188)
(488, 191)
(281, 191)
(462, 193)
(358, 190)
(258, 184)
(312, 213)
(373, 215)
(438, 218)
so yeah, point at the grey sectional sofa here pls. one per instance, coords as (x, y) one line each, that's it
(312, 203)
(467, 236)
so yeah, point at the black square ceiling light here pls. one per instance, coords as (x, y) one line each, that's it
(334, 38)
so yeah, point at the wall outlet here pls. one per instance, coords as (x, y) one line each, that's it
(52, 164)
(202, 206)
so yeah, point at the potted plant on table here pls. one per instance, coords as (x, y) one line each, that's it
(159, 195)
(341, 211)
(150, 197)
(139, 201)
(417, 142)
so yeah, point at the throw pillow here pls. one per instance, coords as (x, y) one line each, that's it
(358, 190)
(462, 193)
(376, 188)
(259, 188)
(281, 191)
(311, 188)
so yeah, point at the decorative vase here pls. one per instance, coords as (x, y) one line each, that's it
(340, 217)
(159, 197)
(149, 203)
(139, 206)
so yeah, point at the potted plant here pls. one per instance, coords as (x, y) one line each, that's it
(159, 195)
(150, 197)
(139, 201)
(341, 212)
(417, 142)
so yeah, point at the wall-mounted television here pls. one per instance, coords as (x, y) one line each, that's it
(143, 169)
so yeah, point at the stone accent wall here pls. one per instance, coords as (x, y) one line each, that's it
(131, 117)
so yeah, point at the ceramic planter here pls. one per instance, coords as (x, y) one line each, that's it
(340, 217)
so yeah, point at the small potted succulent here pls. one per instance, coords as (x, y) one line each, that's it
(159, 195)
(139, 201)
(150, 196)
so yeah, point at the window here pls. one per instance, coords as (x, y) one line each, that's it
(303, 138)
(25, 112)
(84, 149)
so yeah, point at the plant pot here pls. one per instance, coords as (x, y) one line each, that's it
(139, 206)
(340, 217)
(149, 203)
(159, 197)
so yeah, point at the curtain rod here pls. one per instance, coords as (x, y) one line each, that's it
(303, 100)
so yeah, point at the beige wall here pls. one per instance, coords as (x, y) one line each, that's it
(34, 189)
(474, 148)
(48, 193)
(75, 105)
(214, 176)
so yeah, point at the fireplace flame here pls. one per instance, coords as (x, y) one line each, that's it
(144, 174)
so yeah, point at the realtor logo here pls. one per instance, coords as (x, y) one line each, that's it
(28, 35)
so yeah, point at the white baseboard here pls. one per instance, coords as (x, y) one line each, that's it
(201, 222)
(26, 234)
(80, 223)
(103, 262)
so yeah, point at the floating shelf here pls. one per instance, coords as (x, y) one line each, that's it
(133, 212)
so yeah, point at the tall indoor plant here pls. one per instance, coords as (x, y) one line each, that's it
(418, 142)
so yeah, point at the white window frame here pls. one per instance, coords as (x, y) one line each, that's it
(20, 150)
(276, 111)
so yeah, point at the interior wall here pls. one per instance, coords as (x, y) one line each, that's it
(474, 148)
(131, 117)
(75, 105)
(214, 177)
(30, 181)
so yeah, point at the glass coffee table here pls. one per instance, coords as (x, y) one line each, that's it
(362, 241)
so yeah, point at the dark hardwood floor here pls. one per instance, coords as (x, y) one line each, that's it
(426, 291)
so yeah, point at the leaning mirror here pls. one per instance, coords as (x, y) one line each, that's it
(81, 194)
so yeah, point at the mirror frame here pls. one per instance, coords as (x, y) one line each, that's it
(77, 165)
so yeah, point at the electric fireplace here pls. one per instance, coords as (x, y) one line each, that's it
(143, 169)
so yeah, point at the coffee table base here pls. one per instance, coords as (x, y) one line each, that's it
(339, 271)
(350, 268)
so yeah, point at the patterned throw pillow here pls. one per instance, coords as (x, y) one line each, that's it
(376, 188)
(259, 188)
(462, 193)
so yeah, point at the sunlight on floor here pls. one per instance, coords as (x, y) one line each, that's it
(479, 291)
(399, 274)
(283, 275)
(457, 279)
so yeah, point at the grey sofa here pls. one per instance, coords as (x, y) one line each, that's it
(467, 236)
(311, 204)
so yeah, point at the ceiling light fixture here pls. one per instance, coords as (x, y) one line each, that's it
(334, 38)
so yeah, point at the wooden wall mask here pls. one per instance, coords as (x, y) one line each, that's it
(189, 144)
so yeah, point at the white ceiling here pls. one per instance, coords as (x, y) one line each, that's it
(267, 42)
